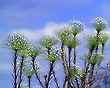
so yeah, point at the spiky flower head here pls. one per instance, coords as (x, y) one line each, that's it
(30, 73)
(99, 24)
(54, 55)
(16, 41)
(23, 53)
(62, 33)
(48, 41)
(34, 51)
(72, 42)
(103, 38)
(76, 27)
(92, 42)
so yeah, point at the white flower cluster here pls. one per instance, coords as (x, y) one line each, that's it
(99, 24)
(76, 25)
(23, 53)
(48, 41)
(103, 38)
(16, 41)
(34, 51)
(55, 54)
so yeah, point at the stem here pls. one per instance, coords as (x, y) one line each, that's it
(86, 69)
(74, 56)
(107, 67)
(95, 74)
(49, 75)
(29, 82)
(77, 83)
(56, 81)
(15, 69)
(69, 53)
(37, 77)
(69, 68)
(97, 44)
(64, 62)
(21, 72)
(63, 57)
(91, 77)
(102, 77)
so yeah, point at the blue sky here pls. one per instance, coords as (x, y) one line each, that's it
(34, 17)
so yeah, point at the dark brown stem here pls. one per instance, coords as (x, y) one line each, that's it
(29, 82)
(86, 69)
(98, 66)
(90, 77)
(74, 55)
(77, 83)
(21, 72)
(69, 53)
(56, 81)
(97, 44)
(36, 74)
(49, 74)
(15, 69)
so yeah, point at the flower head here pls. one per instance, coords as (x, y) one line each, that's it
(76, 27)
(17, 41)
(92, 42)
(62, 33)
(34, 51)
(99, 24)
(54, 55)
(23, 53)
(72, 42)
(48, 41)
(103, 38)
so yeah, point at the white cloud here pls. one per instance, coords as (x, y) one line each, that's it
(34, 35)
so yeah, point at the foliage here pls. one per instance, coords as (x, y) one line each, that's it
(64, 52)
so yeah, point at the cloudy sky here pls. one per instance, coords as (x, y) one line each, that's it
(35, 17)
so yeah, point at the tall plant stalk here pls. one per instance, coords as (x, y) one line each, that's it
(65, 66)
(77, 83)
(21, 72)
(36, 73)
(29, 82)
(98, 66)
(86, 69)
(15, 69)
(49, 74)
(56, 81)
